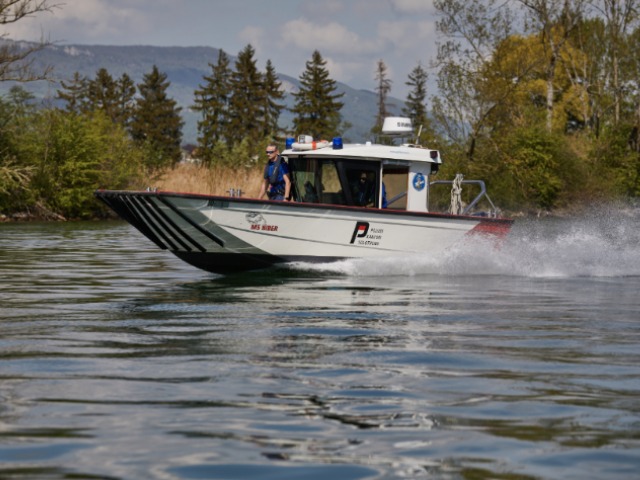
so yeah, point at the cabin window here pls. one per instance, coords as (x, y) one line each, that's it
(331, 187)
(395, 180)
(363, 186)
(305, 178)
(316, 181)
(335, 181)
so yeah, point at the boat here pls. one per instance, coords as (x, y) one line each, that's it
(348, 201)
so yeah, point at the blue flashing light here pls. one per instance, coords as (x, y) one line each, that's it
(337, 143)
(288, 143)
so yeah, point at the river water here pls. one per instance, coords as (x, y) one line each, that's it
(117, 361)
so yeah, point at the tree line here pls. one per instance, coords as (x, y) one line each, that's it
(109, 132)
(540, 98)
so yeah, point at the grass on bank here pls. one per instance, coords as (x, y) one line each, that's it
(217, 180)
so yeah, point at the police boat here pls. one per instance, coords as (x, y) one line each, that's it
(347, 201)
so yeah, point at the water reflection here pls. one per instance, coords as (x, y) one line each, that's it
(117, 361)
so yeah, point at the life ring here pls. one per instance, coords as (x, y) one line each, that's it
(310, 146)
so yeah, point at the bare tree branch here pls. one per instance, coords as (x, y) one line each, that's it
(16, 63)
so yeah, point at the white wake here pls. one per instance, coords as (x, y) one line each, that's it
(602, 243)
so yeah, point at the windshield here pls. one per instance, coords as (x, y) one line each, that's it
(335, 181)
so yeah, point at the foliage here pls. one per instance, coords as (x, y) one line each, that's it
(212, 101)
(415, 106)
(382, 89)
(238, 107)
(247, 104)
(157, 124)
(273, 95)
(71, 155)
(75, 94)
(317, 109)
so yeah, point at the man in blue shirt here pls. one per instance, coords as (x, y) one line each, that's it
(276, 184)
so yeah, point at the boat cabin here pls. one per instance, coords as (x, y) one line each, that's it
(367, 175)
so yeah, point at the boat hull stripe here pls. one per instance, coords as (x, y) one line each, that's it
(124, 206)
(207, 234)
(176, 232)
(152, 222)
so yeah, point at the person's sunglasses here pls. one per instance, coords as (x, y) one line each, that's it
(269, 152)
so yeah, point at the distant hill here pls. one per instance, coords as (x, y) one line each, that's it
(185, 68)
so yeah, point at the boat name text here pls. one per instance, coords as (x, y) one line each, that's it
(267, 228)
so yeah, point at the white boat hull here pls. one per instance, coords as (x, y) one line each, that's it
(227, 234)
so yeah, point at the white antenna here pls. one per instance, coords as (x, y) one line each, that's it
(417, 142)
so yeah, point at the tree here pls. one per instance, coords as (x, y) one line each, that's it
(555, 21)
(157, 124)
(317, 109)
(247, 105)
(470, 33)
(125, 91)
(212, 101)
(72, 155)
(75, 94)
(15, 111)
(416, 108)
(102, 94)
(273, 94)
(382, 89)
(15, 63)
(620, 16)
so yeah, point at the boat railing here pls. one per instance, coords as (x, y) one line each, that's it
(468, 209)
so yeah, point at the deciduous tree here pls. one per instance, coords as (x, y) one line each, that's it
(16, 59)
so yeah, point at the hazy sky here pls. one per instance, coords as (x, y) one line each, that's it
(352, 35)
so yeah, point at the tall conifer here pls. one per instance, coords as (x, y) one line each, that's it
(416, 106)
(317, 109)
(75, 94)
(273, 95)
(247, 102)
(102, 94)
(125, 92)
(382, 89)
(157, 123)
(212, 101)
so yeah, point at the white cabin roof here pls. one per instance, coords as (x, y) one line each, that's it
(369, 151)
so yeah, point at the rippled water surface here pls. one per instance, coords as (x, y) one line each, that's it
(118, 361)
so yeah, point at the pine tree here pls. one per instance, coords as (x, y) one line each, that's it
(125, 91)
(273, 94)
(317, 109)
(247, 102)
(415, 106)
(212, 101)
(75, 94)
(102, 94)
(383, 87)
(157, 123)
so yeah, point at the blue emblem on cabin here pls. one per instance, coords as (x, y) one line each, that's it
(419, 182)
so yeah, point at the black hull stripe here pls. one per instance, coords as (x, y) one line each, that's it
(126, 210)
(206, 233)
(147, 217)
(163, 220)
(176, 229)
